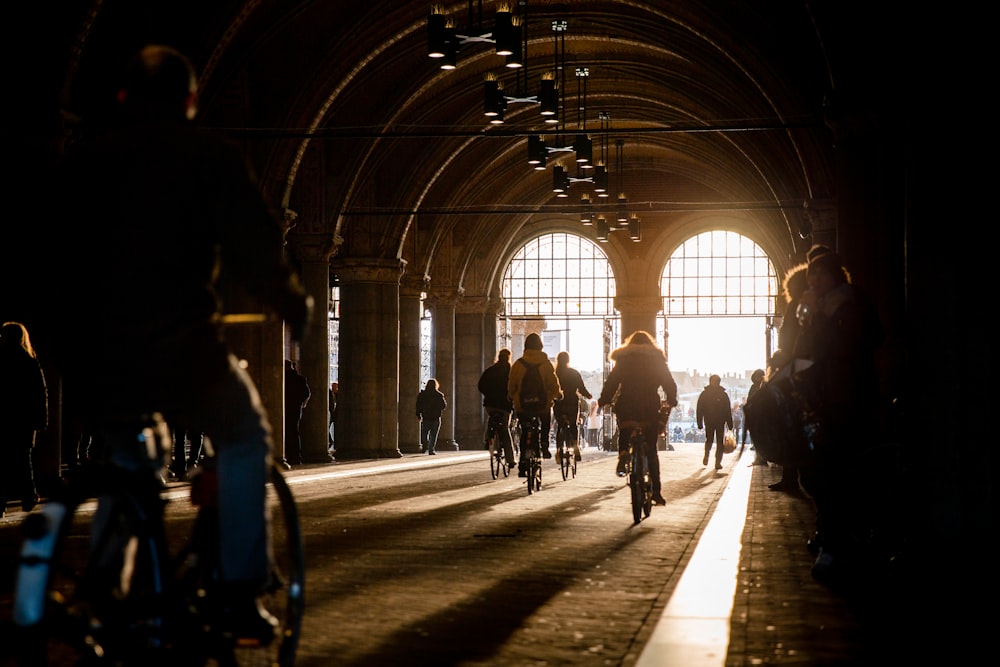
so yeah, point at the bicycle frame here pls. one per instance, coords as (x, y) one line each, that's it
(564, 450)
(498, 458)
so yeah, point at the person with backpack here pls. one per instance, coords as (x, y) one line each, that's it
(533, 387)
(714, 414)
(633, 385)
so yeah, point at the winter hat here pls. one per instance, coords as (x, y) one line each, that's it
(714, 379)
(757, 375)
(533, 342)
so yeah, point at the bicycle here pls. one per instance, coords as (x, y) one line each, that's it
(564, 446)
(98, 584)
(637, 470)
(531, 448)
(498, 458)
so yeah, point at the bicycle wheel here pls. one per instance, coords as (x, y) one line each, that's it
(285, 597)
(647, 486)
(565, 455)
(636, 485)
(573, 465)
(537, 476)
(496, 458)
(532, 467)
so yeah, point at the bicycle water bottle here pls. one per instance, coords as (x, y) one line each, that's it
(40, 531)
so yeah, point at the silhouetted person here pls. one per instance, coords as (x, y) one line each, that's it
(430, 405)
(713, 413)
(297, 395)
(24, 410)
(633, 385)
(550, 392)
(147, 333)
(493, 386)
(573, 389)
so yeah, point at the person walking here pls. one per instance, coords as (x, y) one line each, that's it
(595, 420)
(297, 395)
(430, 404)
(333, 396)
(714, 415)
(633, 387)
(573, 390)
(149, 336)
(24, 411)
(531, 396)
(493, 386)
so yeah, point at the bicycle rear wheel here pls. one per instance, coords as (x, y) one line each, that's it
(285, 596)
(636, 486)
(647, 487)
(496, 458)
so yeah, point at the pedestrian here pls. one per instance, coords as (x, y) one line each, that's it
(714, 415)
(841, 333)
(756, 380)
(573, 389)
(297, 395)
(792, 287)
(533, 387)
(595, 420)
(633, 387)
(149, 335)
(430, 404)
(493, 386)
(333, 396)
(24, 411)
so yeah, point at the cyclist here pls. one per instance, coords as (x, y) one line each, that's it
(569, 405)
(533, 355)
(493, 387)
(633, 385)
(160, 211)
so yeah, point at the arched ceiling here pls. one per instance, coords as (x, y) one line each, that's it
(720, 106)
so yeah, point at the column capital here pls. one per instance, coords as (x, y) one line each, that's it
(479, 305)
(368, 270)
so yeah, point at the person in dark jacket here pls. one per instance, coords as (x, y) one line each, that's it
(840, 334)
(569, 405)
(24, 410)
(714, 414)
(297, 395)
(430, 405)
(633, 385)
(149, 333)
(493, 387)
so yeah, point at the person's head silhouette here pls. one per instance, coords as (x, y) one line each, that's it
(159, 83)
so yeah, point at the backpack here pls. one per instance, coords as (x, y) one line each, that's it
(533, 394)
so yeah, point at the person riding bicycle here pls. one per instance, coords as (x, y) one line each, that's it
(493, 387)
(633, 385)
(534, 356)
(569, 405)
(159, 212)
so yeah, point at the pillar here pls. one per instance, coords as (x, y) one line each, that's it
(410, 312)
(442, 306)
(368, 408)
(475, 333)
(638, 313)
(314, 360)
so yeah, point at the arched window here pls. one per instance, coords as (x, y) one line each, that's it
(562, 285)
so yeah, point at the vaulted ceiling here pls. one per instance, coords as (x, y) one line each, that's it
(728, 111)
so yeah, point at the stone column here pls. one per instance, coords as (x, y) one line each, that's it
(442, 306)
(638, 313)
(472, 340)
(409, 361)
(368, 408)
